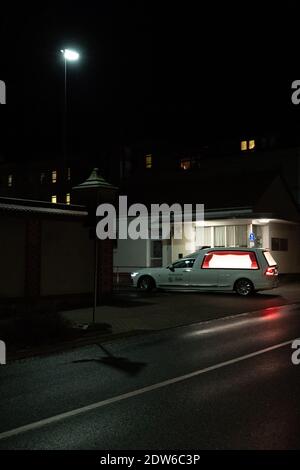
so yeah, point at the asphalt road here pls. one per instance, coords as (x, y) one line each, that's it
(225, 384)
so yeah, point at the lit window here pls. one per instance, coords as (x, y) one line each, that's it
(54, 199)
(42, 177)
(244, 145)
(148, 161)
(69, 174)
(251, 144)
(54, 176)
(219, 236)
(185, 164)
(247, 145)
(68, 198)
(230, 260)
(10, 181)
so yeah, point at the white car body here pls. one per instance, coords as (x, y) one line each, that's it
(214, 269)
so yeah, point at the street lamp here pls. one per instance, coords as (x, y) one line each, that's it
(69, 55)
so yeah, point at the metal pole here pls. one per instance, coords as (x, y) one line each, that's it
(96, 266)
(65, 115)
(95, 279)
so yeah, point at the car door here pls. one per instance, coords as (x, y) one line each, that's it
(178, 275)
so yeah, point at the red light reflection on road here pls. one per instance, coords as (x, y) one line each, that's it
(271, 313)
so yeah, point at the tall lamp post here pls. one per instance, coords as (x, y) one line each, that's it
(69, 55)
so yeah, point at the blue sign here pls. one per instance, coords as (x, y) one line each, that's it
(252, 237)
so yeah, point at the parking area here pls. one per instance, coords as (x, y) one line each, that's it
(133, 310)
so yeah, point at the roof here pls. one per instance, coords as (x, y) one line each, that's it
(95, 181)
(234, 192)
(216, 191)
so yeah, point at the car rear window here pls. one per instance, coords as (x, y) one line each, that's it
(230, 260)
(270, 260)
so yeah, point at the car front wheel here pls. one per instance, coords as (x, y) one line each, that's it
(244, 287)
(146, 283)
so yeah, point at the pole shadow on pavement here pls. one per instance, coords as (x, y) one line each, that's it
(121, 363)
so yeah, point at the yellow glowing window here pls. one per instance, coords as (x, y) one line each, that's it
(148, 161)
(10, 181)
(244, 145)
(68, 198)
(251, 144)
(54, 176)
(54, 199)
(185, 164)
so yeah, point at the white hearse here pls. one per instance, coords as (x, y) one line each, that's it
(243, 270)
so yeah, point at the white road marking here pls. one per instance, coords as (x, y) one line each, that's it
(140, 391)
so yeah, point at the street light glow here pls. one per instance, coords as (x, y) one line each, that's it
(69, 54)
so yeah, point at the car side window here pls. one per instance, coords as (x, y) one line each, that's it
(178, 265)
(190, 263)
(185, 263)
(227, 259)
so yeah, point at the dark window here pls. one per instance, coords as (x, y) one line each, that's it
(156, 253)
(280, 244)
(156, 249)
(275, 244)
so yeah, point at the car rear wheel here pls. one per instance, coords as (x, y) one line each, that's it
(146, 283)
(244, 287)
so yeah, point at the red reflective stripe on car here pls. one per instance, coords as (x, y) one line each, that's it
(207, 258)
(254, 264)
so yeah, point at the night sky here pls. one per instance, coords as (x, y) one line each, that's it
(181, 73)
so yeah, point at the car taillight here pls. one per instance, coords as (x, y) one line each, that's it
(271, 271)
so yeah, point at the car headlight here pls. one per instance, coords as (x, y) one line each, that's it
(134, 274)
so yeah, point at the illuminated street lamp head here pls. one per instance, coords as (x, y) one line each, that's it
(69, 54)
